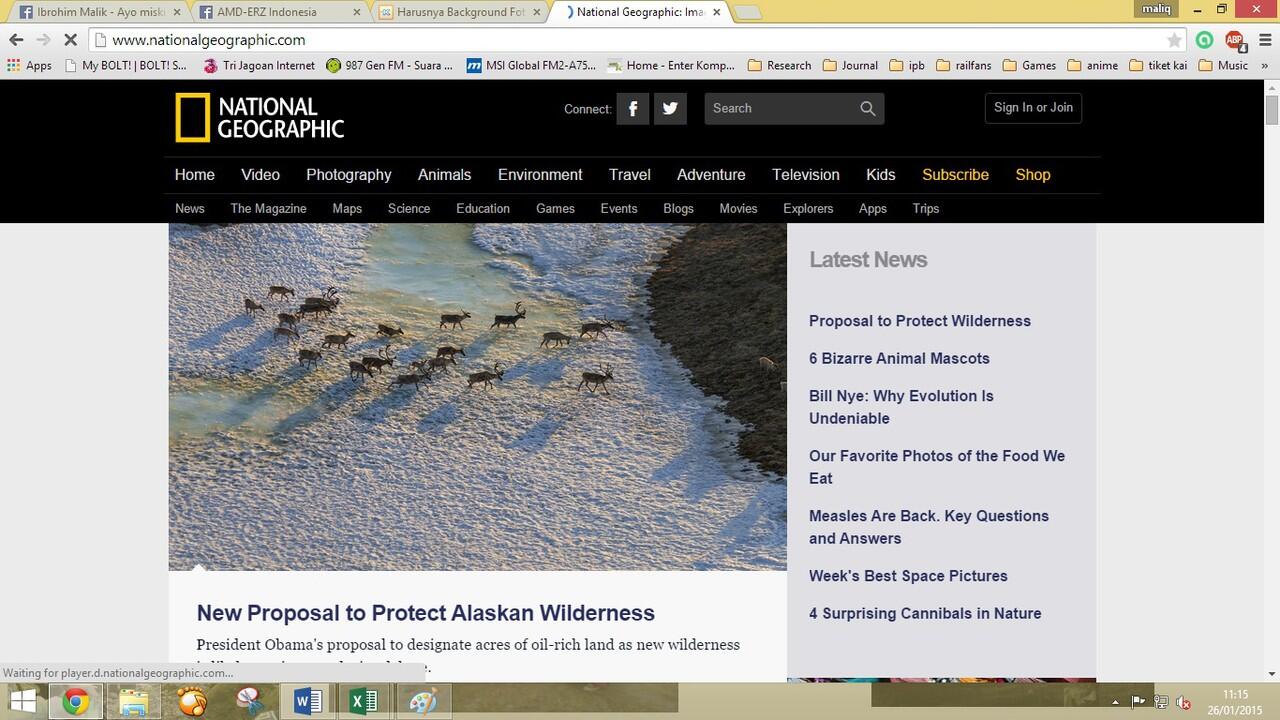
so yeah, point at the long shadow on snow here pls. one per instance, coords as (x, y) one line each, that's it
(213, 337)
(536, 438)
(438, 420)
(682, 467)
(476, 348)
(391, 399)
(329, 399)
(254, 354)
(738, 531)
(541, 372)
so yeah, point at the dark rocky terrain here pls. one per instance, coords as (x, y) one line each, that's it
(719, 299)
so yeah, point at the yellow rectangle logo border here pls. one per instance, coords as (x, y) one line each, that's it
(178, 137)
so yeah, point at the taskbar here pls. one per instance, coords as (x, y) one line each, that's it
(807, 698)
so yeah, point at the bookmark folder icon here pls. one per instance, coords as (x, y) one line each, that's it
(895, 66)
(1010, 65)
(1135, 66)
(1073, 65)
(943, 66)
(754, 65)
(828, 65)
(1206, 66)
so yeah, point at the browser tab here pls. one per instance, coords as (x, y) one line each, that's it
(167, 11)
(460, 11)
(254, 11)
(648, 13)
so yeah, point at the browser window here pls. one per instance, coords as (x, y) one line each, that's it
(415, 358)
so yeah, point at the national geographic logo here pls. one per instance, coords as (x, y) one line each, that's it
(192, 117)
(250, 118)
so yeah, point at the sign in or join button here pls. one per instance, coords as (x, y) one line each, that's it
(1034, 108)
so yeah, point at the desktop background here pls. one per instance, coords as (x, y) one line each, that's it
(677, 462)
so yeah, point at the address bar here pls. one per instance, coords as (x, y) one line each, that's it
(753, 38)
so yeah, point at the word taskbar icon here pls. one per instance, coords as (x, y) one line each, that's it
(308, 701)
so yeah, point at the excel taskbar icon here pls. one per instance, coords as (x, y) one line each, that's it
(365, 702)
(362, 701)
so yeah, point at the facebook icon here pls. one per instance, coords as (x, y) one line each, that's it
(206, 12)
(475, 66)
(26, 12)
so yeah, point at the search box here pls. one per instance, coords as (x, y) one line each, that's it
(761, 108)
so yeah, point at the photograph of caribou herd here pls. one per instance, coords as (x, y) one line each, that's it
(486, 397)
(423, 368)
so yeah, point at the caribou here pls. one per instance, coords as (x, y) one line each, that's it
(250, 307)
(454, 320)
(595, 329)
(357, 369)
(305, 310)
(328, 297)
(327, 302)
(402, 380)
(430, 365)
(388, 331)
(287, 333)
(279, 290)
(596, 381)
(554, 337)
(309, 357)
(486, 377)
(385, 358)
(338, 340)
(509, 320)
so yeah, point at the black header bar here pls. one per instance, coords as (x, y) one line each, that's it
(592, 151)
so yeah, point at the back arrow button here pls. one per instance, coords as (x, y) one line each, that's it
(14, 39)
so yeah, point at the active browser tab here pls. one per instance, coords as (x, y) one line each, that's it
(652, 13)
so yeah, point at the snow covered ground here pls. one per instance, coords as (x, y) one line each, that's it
(211, 273)
(308, 470)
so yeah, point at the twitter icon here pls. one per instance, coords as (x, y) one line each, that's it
(670, 109)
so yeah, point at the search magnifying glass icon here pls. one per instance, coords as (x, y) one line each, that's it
(868, 108)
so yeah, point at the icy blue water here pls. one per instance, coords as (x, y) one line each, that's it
(430, 267)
